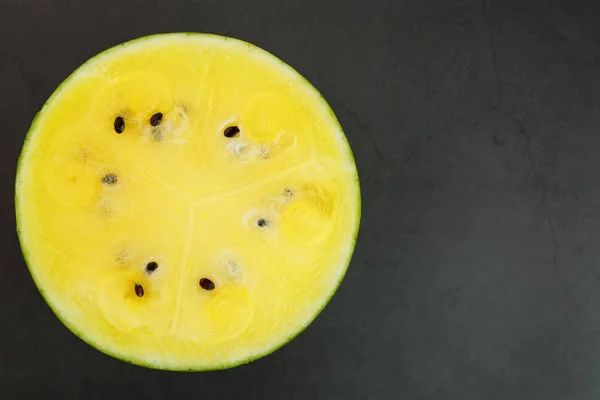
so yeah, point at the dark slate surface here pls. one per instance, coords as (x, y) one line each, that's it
(476, 129)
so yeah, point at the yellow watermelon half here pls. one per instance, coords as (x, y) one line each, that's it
(187, 202)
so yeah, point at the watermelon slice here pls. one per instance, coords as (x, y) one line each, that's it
(187, 202)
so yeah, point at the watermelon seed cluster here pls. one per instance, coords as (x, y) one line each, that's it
(111, 179)
(155, 120)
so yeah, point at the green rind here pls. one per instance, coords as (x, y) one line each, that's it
(143, 363)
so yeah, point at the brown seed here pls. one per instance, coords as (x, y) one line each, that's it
(156, 119)
(262, 222)
(139, 290)
(110, 179)
(207, 284)
(119, 124)
(231, 131)
(151, 266)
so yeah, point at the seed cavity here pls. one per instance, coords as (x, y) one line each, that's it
(207, 284)
(240, 149)
(123, 257)
(264, 152)
(139, 290)
(151, 267)
(234, 271)
(156, 119)
(157, 135)
(119, 124)
(231, 131)
(262, 223)
(106, 208)
(110, 179)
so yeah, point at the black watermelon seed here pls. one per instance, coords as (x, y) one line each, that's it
(231, 131)
(119, 124)
(156, 119)
(262, 222)
(151, 266)
(139, 290)
(207, 284)
(110, 179)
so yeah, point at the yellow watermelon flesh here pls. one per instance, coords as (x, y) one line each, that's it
(187, 202)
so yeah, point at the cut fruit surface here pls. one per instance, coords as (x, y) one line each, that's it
(187, 202)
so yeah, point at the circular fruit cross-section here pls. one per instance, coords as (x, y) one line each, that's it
(187, 202)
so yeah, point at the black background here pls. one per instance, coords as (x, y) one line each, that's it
(476, 130)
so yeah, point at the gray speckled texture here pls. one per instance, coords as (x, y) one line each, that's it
(476, 130)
